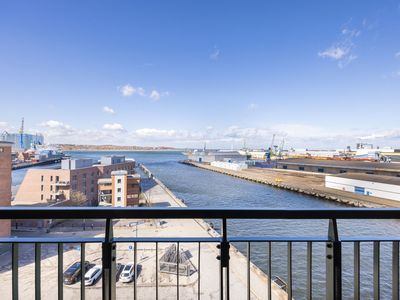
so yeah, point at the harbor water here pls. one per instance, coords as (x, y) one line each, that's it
(202, 188)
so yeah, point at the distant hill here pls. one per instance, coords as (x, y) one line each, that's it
(75, 147)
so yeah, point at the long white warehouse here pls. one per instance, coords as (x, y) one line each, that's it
(387, 187)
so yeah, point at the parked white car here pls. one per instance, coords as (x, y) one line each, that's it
(93, 274)
(128, 273)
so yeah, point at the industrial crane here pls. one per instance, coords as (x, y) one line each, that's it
(21, 133)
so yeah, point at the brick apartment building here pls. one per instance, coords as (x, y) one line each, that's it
(121, 190)
(5, 184)
(76, 177)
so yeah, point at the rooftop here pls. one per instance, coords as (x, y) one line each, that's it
(374, 178)
(341, 163)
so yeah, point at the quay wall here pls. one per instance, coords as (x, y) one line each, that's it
(322, 193)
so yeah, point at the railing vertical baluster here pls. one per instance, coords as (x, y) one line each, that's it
(309, 270)
(83, 271)
(224, 262)
(37, 270)
(269, 270)
(15, 247)
(60, 271)
(289, 270)
(156, 270)
(333, 263)
(136, 268)
(356, 270)
(198, 274)
(248, 270)
(395, 271)
(177, 271)
(376, 270)
(109, 257)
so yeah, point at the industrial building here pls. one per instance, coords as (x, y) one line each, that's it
(340, 166)
(5, 184)
(210, 156)
(76, 177)
(235, 166)
(387, 187)
(22, 141)
(121, 190)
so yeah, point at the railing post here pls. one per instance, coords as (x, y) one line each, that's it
(109, 257)
(224, 262)
(333, 263)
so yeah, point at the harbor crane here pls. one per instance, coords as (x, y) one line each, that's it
(21, 133)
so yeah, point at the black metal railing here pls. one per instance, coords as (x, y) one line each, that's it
(333, 241)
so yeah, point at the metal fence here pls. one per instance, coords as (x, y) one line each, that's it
(333, 241)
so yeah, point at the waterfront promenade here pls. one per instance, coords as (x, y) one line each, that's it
(158, 196)
(307, 183)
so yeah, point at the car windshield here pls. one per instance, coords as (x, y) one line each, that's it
(72, 269)
(127, 268)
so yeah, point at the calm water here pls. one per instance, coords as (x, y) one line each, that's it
(201, 188)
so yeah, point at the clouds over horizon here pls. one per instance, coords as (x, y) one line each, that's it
(295, 135)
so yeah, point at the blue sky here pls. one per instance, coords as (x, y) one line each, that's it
(179, 73)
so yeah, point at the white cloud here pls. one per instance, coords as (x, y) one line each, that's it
(113, 126)
(155, 95)
(215, 54)
(127, 90)
(3, 124)
(108, 110)
(342, 50)
(54, 124)
(334, 53)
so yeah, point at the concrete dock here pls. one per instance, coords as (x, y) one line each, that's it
(157, 196)
(312, 184)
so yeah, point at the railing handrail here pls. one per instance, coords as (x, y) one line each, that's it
(194, 213)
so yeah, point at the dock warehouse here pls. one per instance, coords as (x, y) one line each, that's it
(340, 166)
(387, 187)
(210, 156)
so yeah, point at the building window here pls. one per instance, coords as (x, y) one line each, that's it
(119, 180)
(92, 181)
(51, 188)
(51, 178)
(119, 199)
(41, 188)
(284, 167)
(41, 197)
(92, 174)
(92, 190)
(320, 170)
(84, 175)
(359, 190)
(51, 197)
(74, 186)
(57, 178)
(119, 190)
(42, 178)
(74, 177)
(301, 168)
(343, 171)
